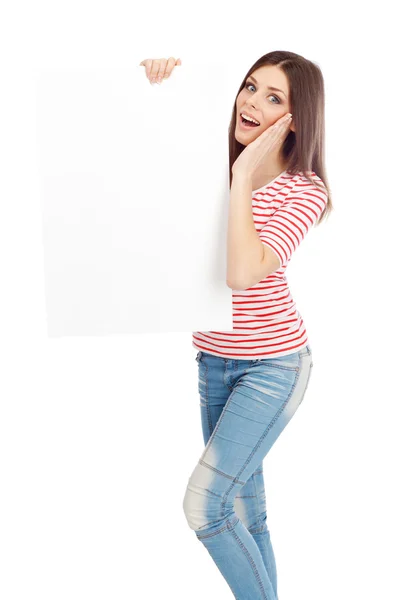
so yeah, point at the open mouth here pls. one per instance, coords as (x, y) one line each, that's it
(246, 123)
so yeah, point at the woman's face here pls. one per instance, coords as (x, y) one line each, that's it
(259, 101)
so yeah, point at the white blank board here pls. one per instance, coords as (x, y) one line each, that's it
(134, 187)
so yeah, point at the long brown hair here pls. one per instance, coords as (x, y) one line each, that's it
(302, 150)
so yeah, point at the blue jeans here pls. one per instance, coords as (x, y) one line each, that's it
(245, 405)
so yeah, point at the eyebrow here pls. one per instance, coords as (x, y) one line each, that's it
(268, 86)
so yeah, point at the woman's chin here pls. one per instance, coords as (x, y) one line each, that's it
(243, 137)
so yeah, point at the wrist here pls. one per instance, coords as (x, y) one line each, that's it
(241, 175)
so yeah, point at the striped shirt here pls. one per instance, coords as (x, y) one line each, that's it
(266, 322)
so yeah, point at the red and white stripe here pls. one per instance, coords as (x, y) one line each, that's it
(266, 322)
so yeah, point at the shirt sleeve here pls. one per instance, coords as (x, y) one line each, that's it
(289, 225)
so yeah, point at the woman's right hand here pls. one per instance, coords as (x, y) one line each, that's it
(159, 68)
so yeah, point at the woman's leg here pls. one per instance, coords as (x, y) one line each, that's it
(264, 397)
(250, 502)
(250, 507)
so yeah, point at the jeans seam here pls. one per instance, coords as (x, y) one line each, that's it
(273, 366)
(209, 420)
(230, 526)
(220, 530)
(258, 500)
(308, 378)
(248, 556)
(270, 424)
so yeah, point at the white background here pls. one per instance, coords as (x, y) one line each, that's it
(99, 435)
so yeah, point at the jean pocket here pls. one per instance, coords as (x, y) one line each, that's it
(306, 351)
(199, 355)
(290, 362)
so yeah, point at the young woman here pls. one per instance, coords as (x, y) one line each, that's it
(252, 379)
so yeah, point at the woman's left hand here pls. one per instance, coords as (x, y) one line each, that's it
(253, 155)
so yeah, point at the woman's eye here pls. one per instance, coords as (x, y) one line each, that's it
(276, 97)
